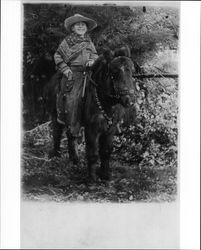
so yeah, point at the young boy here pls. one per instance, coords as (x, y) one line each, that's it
(74, 53)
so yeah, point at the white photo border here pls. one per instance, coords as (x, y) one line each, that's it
(189, 124)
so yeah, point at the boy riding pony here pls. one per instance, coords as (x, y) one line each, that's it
(74, 54)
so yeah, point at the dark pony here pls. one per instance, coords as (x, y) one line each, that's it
(109, 85)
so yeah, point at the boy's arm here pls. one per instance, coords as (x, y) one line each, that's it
(93, 54)
(59, 57)
(62, 66)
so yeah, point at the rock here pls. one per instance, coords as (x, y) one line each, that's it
(124, 181)
(80, 197)
(82, 186)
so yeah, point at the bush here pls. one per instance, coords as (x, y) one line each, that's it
(152, 140)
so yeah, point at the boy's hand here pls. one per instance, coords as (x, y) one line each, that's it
(69, 74)
(90, 63)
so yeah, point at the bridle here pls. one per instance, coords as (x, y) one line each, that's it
(118, 93)
(100, 107)
(97, 86)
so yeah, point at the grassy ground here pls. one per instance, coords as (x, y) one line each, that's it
(59, 180)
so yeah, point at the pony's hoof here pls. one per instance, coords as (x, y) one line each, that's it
(74, 159)
(103, 175)
(54, 153)
(91, 179)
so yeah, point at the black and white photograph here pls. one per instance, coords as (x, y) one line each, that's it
(100, 125)
(100, 103)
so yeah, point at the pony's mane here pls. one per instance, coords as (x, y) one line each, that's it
(103, 59)
(98, 63)
(107, 55)
(101, 63)
(123, 51)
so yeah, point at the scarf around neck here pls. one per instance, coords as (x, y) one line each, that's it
(74, 38)
(72, 45)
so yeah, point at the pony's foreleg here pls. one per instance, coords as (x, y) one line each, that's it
(72, 148)
(92, 155)
(57, 132)
(105, 152)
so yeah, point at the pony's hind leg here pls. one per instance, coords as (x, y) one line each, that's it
(72, 148)
(92, 146)
(57, 132)
(105, 152)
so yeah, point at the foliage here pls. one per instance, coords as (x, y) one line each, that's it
(144, 160)
(152, 139)
(145, 155)
(145, 33)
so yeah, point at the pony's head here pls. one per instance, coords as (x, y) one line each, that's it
(114, 70)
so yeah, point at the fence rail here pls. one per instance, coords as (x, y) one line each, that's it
(142, 76)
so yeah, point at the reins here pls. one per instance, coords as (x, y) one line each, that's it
(116, 96)
(88, 75)
(118, 92)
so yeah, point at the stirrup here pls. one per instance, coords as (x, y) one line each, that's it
(59, 121)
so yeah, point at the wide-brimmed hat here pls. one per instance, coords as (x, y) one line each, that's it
(91, 24)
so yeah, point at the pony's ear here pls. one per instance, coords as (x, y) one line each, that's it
(108, 54)
(123, 51)
(98, 62)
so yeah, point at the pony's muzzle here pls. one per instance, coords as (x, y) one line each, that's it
(127, 101)
(128, 98)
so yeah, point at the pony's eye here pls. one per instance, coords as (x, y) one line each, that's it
(114, 75)
(115, 71)
(128, 70)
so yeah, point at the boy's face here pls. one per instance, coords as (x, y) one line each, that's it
(80, 28)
